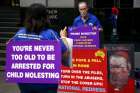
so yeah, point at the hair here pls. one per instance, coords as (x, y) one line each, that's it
(83, 2)
(118, 58)
(35, 18)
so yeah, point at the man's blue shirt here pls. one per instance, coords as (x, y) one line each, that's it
(91, 21)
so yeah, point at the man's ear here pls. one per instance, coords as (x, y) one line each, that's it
(87, 8)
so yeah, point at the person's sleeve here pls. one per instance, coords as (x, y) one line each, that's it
(52, 35)
(20, 31)
(97, 23)
(74, 23)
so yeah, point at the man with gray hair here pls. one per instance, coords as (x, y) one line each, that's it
(86, 18)
(120, 68)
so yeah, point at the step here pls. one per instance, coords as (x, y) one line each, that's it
(4, 39)
(2, 47)
(3, 55)
(7, 29)
(2, 44)
(2, 68)
(2, 51)
(7, 34)
(10, 19)
(9, 9)
(9, 15)
(6, 12)
(9, 24)
(2, 62)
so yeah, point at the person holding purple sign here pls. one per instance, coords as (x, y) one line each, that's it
(35, 28)
(84, 19)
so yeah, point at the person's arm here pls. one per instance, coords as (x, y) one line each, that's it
(97, 22)
(98, 25)
(74, 23)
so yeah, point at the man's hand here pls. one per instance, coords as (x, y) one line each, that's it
(63, 32)
(95, 28)
(100, 29)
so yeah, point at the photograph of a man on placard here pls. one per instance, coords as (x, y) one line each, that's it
(120, 68)
(120, 62)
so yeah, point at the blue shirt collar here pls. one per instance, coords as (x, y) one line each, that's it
(89, 17)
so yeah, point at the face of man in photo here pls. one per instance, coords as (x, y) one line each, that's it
(119, 71)
(83, 9)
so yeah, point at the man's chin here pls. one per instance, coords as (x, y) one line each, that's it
(83, 15)
(119, 83)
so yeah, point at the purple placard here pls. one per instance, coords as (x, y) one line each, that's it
(33, 61)
(84, 37)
